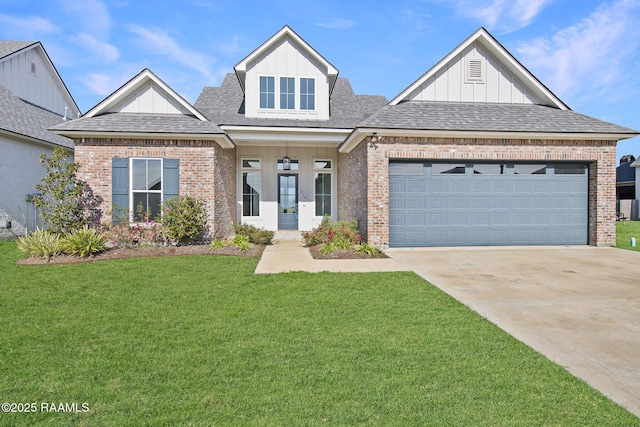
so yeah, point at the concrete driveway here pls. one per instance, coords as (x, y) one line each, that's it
(579, 306)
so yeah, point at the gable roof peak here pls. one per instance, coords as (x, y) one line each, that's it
(285, 32)
(142, 78)
(491, 44)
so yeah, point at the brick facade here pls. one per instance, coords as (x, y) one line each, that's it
(352, 187)
(206, 171)
(600, 155)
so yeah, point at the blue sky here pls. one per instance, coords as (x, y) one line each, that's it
(586, 51)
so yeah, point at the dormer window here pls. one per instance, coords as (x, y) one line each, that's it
(267, 92)
(307, 94)
(287, 93)
(287, 88)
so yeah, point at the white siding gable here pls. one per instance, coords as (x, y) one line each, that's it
(286, 59)
(474, 75)
(29, 75)
(150, 99)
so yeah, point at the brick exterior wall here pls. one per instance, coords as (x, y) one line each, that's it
(206, 171)
(352, 187)
(600, 155)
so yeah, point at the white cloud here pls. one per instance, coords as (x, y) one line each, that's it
(91, 15)
(502, 15)
(100, 84)
(593, 52)
(99, 48)
(340, 24)
(161, 43)
(29, 26)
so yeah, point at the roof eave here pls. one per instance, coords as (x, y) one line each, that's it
(358, 135)
(222, 139)
(32, 139)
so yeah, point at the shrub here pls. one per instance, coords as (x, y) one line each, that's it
(218, 244)
(328, 232)
(41, 243)
(131, 235)
(366, 249)
(184, 219)
(84, 242)
(241, 242)
(66, 202)
(256, 235)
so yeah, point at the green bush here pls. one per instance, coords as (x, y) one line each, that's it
(366, 249)
(339, 232)
(256, 235)
(84, 242)
(218, 244)
(41, 243)
(184, 219)
(241, 242)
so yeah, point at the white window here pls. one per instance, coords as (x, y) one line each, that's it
(307, 94)
(287, 93)
(267, 92)
(250, 187)
(146, 189)
(323, 181)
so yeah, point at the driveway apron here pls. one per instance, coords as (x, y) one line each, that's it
(578, 306)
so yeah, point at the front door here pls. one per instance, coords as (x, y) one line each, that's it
(287, 201)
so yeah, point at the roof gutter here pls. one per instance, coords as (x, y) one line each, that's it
(222, 139)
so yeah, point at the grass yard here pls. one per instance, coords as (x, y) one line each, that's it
(200, 340)
(625, 230)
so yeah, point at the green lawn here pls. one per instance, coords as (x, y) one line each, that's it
(202, 341)
(625, 230)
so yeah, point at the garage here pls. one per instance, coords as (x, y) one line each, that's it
(487, 204)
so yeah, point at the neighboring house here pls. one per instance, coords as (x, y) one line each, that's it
(626, 178)
(477, 151)
(33, 98)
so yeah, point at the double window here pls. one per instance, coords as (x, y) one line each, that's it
(140, 185)
(250, 187)
(286, 87)
(146, 188)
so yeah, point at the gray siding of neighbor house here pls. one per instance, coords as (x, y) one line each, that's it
(19, 171)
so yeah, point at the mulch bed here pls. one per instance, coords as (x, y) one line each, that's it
(147, 251)
(342, 254)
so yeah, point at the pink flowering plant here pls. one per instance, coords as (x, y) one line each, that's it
(334, 236)
(184, 220)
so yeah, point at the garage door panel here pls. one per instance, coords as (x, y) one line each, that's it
(481, 209)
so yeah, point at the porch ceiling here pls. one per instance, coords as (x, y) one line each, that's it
(244, 135)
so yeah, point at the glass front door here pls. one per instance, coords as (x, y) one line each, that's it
(287, 201)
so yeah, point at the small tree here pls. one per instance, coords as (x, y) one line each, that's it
(66, 203)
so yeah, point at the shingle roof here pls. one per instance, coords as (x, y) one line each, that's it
(460, 116)
(7, 47)
(141, 123)
(625, 173)
(20, 117)
(224, 105)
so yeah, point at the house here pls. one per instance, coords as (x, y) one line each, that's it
(477, 151)
(33, 98)
(626, 178)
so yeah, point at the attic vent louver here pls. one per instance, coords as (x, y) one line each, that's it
(33, 68)
(474, 70)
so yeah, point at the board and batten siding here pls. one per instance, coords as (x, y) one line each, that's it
(452, 82)
(42, 88)
(151, 99)
(286, 59)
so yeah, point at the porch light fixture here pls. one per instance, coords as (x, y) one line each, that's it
(374, 140)
(286, 161)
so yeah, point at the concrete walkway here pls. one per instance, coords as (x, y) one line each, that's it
(578, 306)
(288, 253)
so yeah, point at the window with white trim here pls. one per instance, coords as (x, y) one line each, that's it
(267, 92)
(323, 180)
(307, 94)
(251, 187)
(146, 189)
(287, 93)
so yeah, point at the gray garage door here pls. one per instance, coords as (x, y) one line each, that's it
(447, 204)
